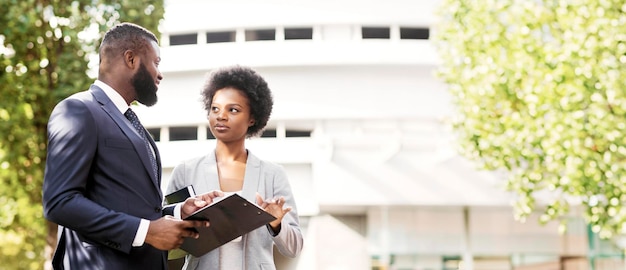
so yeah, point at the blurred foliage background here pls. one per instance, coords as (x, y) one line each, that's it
(540, 95)
(45, 48)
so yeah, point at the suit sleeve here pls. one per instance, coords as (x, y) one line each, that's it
(72, 148)
(175, 183)
(289, 240)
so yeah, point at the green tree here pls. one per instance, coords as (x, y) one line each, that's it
(45, 48)
(540, 94)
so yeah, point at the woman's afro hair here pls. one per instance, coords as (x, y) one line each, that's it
(251, 84)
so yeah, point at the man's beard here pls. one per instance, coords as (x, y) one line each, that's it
(145, 89)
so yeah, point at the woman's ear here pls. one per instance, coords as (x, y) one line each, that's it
(251, 123)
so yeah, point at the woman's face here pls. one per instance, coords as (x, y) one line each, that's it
(229, 115)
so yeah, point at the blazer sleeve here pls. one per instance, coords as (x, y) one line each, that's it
(176, 182)
(289, 240)
(177, 179)
(72, 146)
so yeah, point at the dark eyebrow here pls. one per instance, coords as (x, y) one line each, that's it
(228, 104)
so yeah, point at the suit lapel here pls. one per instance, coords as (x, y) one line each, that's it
(212, 180)
(252, 178)
(130, 132)
(251, 182)
(157, 156)
(251, 185)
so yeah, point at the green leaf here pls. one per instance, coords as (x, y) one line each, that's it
(538, 92)
(42, 60)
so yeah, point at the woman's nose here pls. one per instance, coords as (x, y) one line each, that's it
(221, 115)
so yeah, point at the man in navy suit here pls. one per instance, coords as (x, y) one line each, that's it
(102, 178)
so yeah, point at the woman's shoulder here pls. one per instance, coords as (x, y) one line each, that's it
(269, 168)
(263, 163)
(192, 162)
(272, 166)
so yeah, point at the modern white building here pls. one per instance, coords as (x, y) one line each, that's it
(360, 124)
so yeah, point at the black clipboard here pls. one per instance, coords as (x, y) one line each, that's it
(229, 218)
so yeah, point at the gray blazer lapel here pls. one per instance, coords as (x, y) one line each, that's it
(252, 178)
(211, 182)
(209, 168)
(251, 185)
(130, 132)
(251, 182)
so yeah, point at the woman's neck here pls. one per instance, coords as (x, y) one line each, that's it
(230, 152)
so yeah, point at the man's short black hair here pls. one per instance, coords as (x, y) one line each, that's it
(125, 36)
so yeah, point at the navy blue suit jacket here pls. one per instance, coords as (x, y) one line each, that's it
(98, 184)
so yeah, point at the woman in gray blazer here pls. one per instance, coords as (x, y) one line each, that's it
(239, 103)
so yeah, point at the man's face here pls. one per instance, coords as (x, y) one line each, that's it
(146, 80)
(145, 88)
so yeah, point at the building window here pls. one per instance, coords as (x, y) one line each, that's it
(414, 33)
(297, 133)
(183, 133)
(451, 262)
(269, 133)
(209, 135)
(215, 37)
(261, 34)
(298, 33)
(375, 32)
(155, 133)
(183, 39)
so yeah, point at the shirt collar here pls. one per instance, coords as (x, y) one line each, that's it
(113, 95)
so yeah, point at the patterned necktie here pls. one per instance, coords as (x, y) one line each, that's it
(135, 121)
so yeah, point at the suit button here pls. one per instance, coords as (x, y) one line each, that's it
(157, 209)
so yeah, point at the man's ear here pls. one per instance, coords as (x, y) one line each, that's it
(129, 59)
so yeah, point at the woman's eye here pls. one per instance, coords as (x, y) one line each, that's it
(234, 110)
(214, 109)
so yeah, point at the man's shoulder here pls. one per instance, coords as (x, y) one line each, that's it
(76, 102)
(79, 97)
